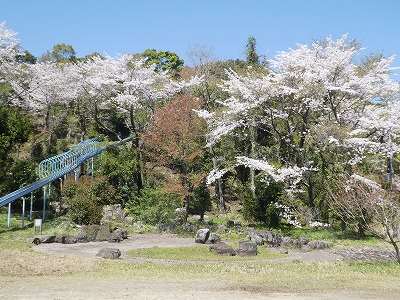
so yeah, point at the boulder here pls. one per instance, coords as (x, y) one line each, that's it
(114, 237)
(271, 238)
(213, 238)
(222, 248)
(102, 233)
(222, 229)
(288, 242)
(257, 239)
(122, 232)
(247, 248)
(187, 227)
(202, 235)
(34, 240)
(320, 244)
(303, 240)
(128, 220)
(109, 253)
(66, 239)
(46, 238)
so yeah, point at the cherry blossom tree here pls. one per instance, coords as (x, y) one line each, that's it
(9, 49)
(309, 99)
(363, 203)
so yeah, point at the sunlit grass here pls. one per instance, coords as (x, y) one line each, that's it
(199, 253)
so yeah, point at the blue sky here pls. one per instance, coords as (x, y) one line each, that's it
(129, 26)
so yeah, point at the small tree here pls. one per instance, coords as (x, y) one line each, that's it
(175, 142)
(86, 197)
(362, 202)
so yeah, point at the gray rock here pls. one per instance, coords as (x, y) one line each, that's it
(114, 237)
(102, 233)
(222, 248)
(213, 238)
(320, 244)
(187, 227)
(66, 239)
(46, 238)
(247, 248)
(128, 220)
(257, 239)
(221, 229)
(303, 240)
(202, 236)
(34, 240)
(138, 224)
(271, 238)
(288, 242)
(122, 232)
(109, 253)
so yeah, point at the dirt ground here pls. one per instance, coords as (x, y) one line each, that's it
(163, 240)
(70, 287)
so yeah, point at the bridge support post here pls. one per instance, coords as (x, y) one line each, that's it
(23, 213)
(9, 215)
(31, 208)
(92, 159)
(44, 204)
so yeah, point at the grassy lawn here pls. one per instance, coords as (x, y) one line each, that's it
(200, 253)
(19, 260)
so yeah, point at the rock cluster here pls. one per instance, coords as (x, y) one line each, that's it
(273, 239)
(87, 233)
(245, 248)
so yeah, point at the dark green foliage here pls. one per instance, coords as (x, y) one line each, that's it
(201, 201)
(22, 173)
(252, 58)
(86, 197)
(153, 206)
(164, 61)
(119, 165)
(84, 209)
(15, 128)
(261, 208)
(26, 57)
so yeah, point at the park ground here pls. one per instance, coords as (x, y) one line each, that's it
(59, 271)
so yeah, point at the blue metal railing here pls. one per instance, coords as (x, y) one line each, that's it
(63, 161)
(57, 166)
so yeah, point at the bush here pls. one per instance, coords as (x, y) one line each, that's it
(201, 200)
(84, 209)
(86, 197)
(153, 207)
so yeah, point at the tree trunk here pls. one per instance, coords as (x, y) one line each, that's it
(135, 131)
(218, 185)
(252, 155)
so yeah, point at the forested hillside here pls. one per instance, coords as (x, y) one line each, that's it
(308, 138)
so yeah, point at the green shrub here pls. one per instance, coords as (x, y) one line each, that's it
(153, 206)
(84, 209)
(86, 197)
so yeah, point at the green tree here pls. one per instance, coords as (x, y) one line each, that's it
(252, 58)
(165, 61)
(26, 57)
(63, 52)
